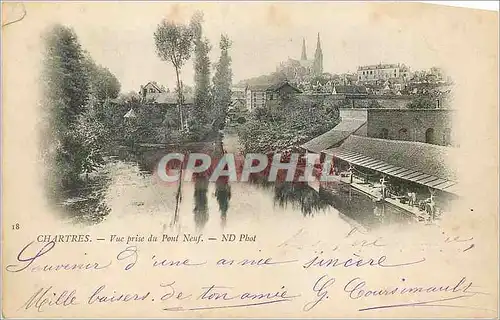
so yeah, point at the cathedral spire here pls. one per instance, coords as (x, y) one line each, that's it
(304, 54)
(318, 58)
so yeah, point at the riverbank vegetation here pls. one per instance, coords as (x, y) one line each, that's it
(86, 119)
(176, 43)
(287, 124)
(76, 99)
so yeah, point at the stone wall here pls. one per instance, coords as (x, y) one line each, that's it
(423, 125)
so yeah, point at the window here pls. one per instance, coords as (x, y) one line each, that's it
(384, 133)
(403, 134)
(152, 90)
(429, 136)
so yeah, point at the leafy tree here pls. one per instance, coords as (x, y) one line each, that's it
(174, 43)
(93, 135)
(222, 82)
(79, 118)
(202, 99)
(103, 84)
(66, 92)
(424, 101)
(288, 126)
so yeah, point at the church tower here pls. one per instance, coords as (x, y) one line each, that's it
(318, 58)
(304, 54)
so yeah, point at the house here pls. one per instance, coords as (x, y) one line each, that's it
(258, 96)
(237, 93)
(255, 96)
(382, 72)
(151, 90)
(164, 104)
(153, 93)
(170, 99)
(237, 111)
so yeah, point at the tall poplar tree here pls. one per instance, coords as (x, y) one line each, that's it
(222, 82)
(202, 99)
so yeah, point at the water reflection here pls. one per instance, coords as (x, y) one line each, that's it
(362, 208)
(299, 194)
(200, 202)
(89, 204)
(223, 195)
(86, 202)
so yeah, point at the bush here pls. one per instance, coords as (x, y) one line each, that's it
(287, 126)
(422, 102)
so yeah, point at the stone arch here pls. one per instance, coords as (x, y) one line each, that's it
(429, 135)
(403, 134)
(384, 133)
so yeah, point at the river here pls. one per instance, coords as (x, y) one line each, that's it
(127, 190)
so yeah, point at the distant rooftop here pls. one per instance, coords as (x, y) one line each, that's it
(170, 98)
(382, 66)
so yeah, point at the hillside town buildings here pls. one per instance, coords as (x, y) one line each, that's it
(382, 72)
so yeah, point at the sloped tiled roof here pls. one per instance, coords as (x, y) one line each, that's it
(237, 103)
(170, 98)
(259, 86)
(155, 85)
(328, 139)
(280, 85)
(417, 156)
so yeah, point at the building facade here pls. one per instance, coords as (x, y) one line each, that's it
(399, 157)
(255, 96)
(433, 126)
(260, 96)
(379, 72)
(151, 91)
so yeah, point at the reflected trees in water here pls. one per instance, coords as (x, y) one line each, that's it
(200, 210)
(223, 195)
(297, 194)
(87, 204)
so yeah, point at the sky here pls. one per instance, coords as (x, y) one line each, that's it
(119, 36)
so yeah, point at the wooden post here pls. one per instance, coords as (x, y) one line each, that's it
(350, 172)
(382, 182)
(432, 204)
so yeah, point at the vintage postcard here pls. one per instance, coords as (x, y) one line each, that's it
(249, 159)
